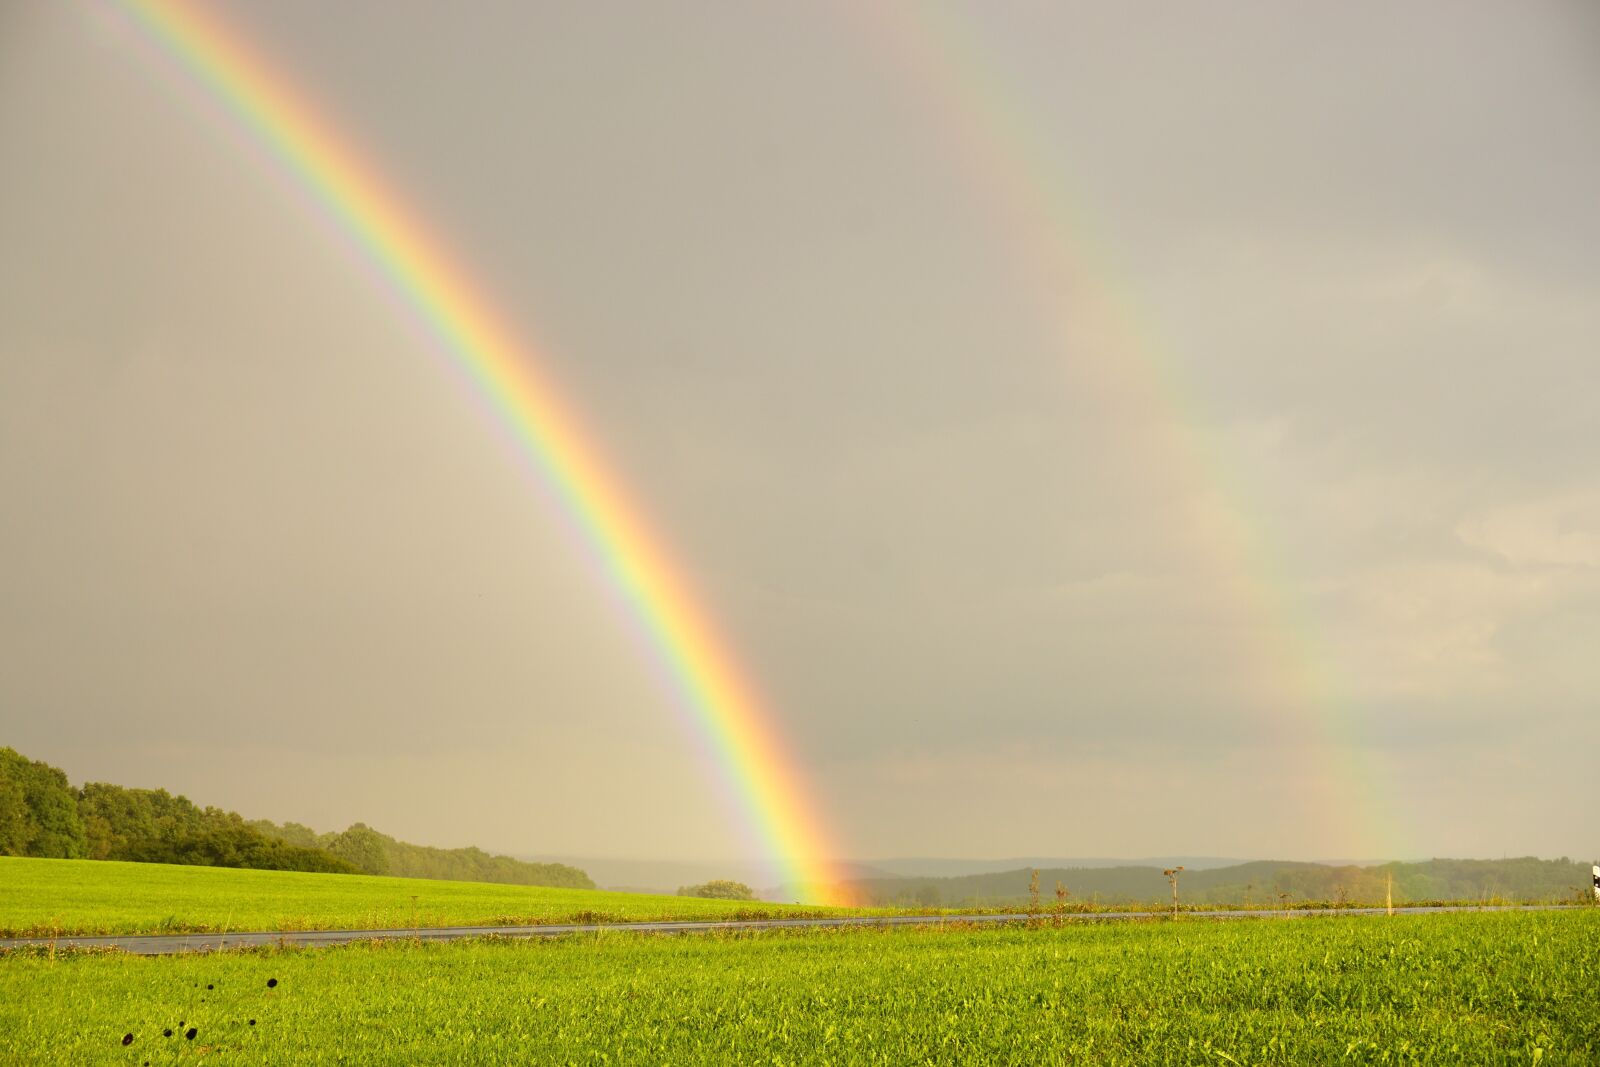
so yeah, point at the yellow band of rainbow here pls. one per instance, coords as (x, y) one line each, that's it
(329, 165)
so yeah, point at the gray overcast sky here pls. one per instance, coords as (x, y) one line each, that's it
(260, 544)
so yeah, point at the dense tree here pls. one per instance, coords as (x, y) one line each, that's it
(719, 889)
(230, 843)
(153, 826)
(117, 819)
(373, 852)
(40, 816)
(15, 823)
(292, 832)
(360, 846)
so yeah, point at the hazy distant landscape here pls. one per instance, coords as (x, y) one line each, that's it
(41, 815)
(1258, 883)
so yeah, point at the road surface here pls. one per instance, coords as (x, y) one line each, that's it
(168, 944)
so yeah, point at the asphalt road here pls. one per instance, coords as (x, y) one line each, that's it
(168, 944)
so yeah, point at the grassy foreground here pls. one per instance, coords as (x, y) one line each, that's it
(40, 897)
(1464, 988)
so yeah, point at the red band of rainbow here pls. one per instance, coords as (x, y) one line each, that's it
(327, 163)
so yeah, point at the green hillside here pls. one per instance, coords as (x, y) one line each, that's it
(44, 897)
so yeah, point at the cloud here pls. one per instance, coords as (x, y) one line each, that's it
(1425, 630)
(1561, 530)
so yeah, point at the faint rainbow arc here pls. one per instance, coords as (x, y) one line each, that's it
(725, 706)
(1002, 149)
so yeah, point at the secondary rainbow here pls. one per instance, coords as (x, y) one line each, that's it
(1024, 183)
(726, 709)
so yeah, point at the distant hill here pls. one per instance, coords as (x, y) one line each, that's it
(665, 876)
(1259, 882)
(1206, 879)
(928, 867)
(42, 815)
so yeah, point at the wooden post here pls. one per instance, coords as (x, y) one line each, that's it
(1172, 876)
(1388, 896)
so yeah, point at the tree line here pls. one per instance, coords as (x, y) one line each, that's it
(719, 889)
(371, 852)
(42, 815)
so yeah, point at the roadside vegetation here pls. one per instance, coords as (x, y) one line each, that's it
(1462, 988)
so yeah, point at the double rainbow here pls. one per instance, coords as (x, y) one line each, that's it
(392, 235)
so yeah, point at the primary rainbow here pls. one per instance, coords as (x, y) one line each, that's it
(391, 234)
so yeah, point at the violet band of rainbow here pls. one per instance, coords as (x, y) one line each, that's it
(326, 162)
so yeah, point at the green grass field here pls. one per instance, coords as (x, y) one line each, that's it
(1463, 988)
(46, 897)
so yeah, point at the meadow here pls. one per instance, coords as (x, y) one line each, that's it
(1472, 987)
(45, 897)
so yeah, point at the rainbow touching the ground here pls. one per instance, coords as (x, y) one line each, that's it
(1017, 171)
(327, 163)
